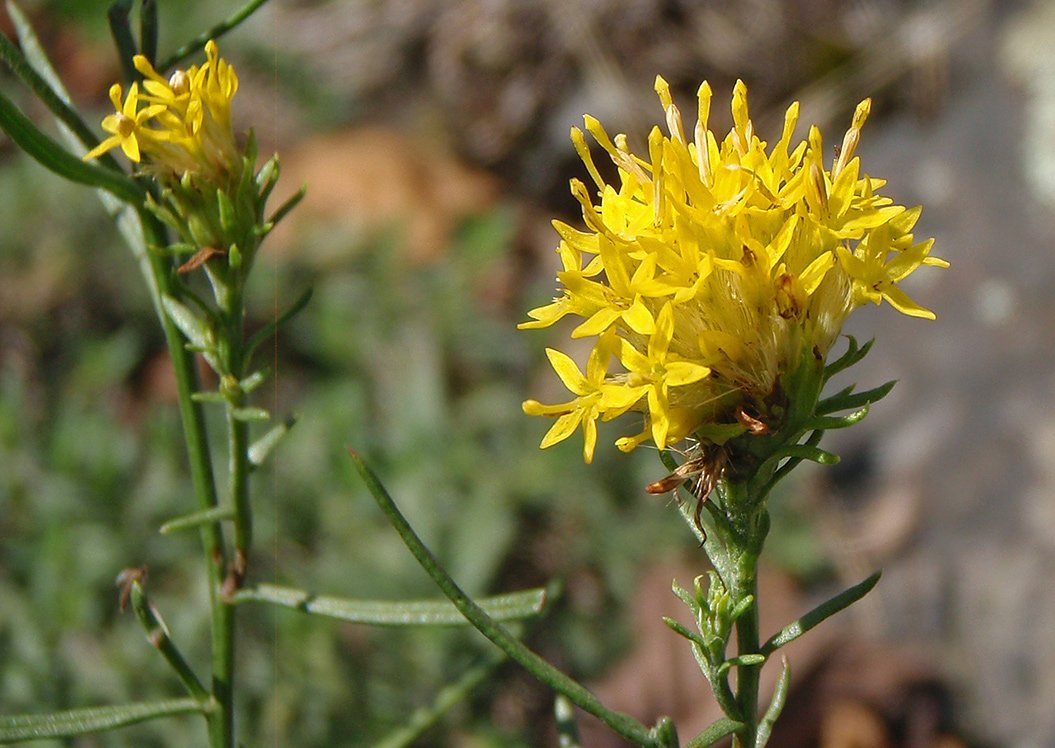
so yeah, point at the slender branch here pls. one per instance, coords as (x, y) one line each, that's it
(157, 633)
(221, 718)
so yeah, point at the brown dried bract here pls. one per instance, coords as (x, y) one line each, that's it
(198, 259)
(704, 466)
(754, 425)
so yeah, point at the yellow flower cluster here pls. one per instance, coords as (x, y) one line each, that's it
(178, 125)
(712, 268)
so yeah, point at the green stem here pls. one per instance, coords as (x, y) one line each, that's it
(221, 717)
(744, 536)
(233, 352)
(744, 583)
(238, 443)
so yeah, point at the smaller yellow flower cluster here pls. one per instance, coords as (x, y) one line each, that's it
(712, 268)
(178, 125)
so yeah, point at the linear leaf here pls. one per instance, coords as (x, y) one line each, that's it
(828, 423)
(197, 519)
(847, 399)
(854, 353)
(825, 610)
(715, 732)
(148, 29)
(507, 607)
(57, 159)
(776, 706)
(193, 327)
(262, 447)
(808, 452)
(119, 16)
(21, 727)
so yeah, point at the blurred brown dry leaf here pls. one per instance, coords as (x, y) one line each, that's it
(366, 182)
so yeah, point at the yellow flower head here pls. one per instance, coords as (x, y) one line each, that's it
(180, 124)
(711, 267)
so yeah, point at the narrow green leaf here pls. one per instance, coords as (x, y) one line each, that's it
(685, 596)
(790, 464)
(543, 671)
(148, 29)
(254, 380)
(57, 159)
(118, 16)
(158, 635)
(715, 732)
(197, 519)
(268, 330)
(267, 177)
(827, 423)
(742, 607)
(198, 43)
(212, 397)
(22, 727)
(667, 458)
(262, 447)
(825, 610)
(807, 452)
(747, 660)
(193, 327)
(250, 414)
(228, 220)
(512, 606)
(244, 193)
(176, 248)
(681, 630)
(847, 399)
(284, 209)
(776, 706)
(852, 356)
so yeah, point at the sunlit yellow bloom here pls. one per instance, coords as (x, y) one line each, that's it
(712, 267)
(180, 124)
